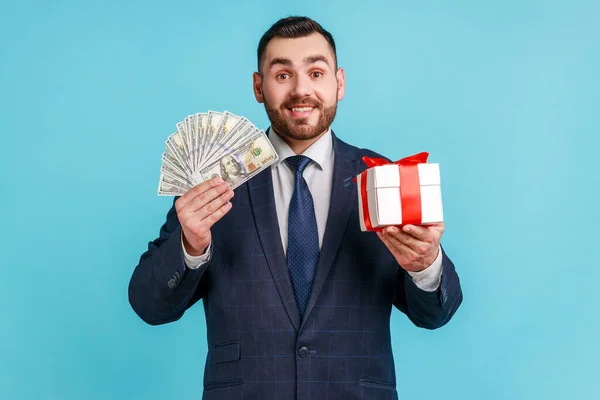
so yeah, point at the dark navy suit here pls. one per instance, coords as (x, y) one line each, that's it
(258, 345)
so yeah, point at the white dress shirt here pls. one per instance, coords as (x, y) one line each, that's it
(319, 176)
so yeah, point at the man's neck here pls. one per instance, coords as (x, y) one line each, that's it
(299, 146)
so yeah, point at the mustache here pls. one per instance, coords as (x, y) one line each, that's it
(305, 101)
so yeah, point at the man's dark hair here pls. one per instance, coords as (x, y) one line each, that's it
(293, 27)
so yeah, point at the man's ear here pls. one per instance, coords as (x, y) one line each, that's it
(257, 85)
(341, 83)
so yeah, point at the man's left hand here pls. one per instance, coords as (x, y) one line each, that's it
(414, 247)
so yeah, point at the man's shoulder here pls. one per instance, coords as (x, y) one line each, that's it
(357, 152)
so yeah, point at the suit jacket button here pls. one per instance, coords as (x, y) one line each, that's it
(171, 283)
(303, 351)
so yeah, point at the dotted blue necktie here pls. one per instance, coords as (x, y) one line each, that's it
(303, 237)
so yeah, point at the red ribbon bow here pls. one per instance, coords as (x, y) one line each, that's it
(410, 188)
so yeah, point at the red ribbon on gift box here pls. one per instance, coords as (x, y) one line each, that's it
(410, 188)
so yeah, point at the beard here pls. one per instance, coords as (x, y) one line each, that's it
(300, 128)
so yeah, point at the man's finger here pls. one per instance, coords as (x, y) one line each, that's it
(416, 245)
(396, 246)
(199, 225)
(420, 232)
(396, 243)
(204, 198)
(193, 193)
(387, 242)
(215, 205)
(217, 215)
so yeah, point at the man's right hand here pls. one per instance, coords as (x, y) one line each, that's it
(199, 209)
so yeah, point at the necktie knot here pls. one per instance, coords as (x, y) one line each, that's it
(298, 163)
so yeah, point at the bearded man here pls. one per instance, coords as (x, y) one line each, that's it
(297, 298)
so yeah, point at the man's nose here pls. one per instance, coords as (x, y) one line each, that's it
(302, 86)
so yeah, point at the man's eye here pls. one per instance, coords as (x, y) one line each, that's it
(317, 74)
(283, 76)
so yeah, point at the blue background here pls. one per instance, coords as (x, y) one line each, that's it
(503, 94)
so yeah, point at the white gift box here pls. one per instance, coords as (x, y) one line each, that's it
(384, 200)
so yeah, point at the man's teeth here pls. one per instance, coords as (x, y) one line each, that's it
(301, 109)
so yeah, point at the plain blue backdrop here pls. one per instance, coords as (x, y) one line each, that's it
(503, 94)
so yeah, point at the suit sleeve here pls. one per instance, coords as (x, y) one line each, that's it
(162, 288)
(426, 309)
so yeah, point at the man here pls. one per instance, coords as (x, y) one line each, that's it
(297, 299)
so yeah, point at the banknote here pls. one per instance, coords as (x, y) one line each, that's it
(171, 186)
(213, 144)
(212, 123)
(176, 149)
(228, 143)
(226, 124)
(181, 137)
(240, 165)
(200, 138)
(174, 170)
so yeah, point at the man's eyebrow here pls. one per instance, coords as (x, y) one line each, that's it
(316, 58)
(279, 60)
(307, 60)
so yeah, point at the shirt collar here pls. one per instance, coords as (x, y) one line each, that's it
(319, 151)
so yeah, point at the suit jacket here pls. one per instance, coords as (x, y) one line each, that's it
(258, 345)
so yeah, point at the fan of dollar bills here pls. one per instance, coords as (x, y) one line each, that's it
(213, 144)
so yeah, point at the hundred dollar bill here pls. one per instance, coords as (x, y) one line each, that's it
(176, 147)
(174, 192)
(213, 119)
(236, 131)
(190, 137)
(202, 120)
(181, 137)
(167, 176)
(227, 123)
(173, 169)
(237, 167)
(190, 127)
(165, 189)
(193, 140)
(168, 154)
(241, 133)
(233, 131)
(169, 186)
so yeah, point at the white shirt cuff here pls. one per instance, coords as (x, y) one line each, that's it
(429, 279)
(194, 262)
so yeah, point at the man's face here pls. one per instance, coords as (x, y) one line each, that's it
(230, 165)
(299, 86)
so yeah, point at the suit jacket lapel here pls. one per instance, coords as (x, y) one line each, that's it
(262, 202)
(343, 196)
